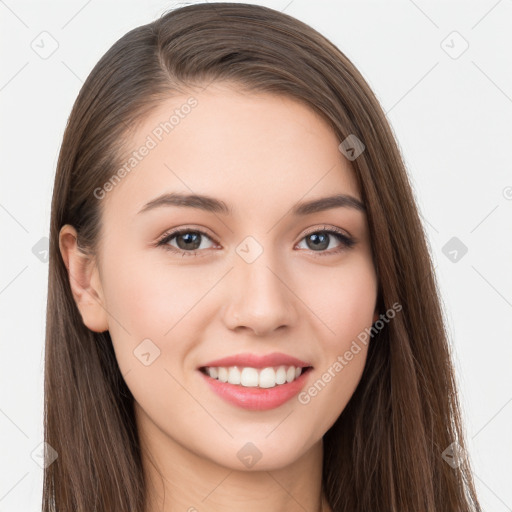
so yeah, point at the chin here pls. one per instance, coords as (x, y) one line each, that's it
(260, 451)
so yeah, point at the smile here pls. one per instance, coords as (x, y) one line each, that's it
(256, 389)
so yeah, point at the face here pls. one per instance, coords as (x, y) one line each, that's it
(247, 274)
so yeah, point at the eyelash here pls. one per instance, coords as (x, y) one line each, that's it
(346, 241)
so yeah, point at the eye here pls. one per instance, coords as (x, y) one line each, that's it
(319, 240)
(188, 241)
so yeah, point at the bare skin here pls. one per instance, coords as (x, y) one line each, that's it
(260, 154)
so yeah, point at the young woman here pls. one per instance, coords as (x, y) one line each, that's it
(242, 309)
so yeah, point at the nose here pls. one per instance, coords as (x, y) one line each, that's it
(260, 298)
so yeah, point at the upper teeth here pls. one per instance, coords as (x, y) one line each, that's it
(253, 377)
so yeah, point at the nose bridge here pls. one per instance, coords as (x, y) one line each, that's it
(260, 301)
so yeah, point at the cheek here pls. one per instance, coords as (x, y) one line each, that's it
(158, 302)
(344, 300)
(152, 298)
(346, 305)
(151, 307)
(327, 395)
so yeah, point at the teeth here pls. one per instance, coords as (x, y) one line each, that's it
(234, 376)
(253, 377)
(249, 377)
(223, 374)
(267, 378)
(281, 375)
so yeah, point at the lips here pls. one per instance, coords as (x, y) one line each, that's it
(250, 389)
(256, 399)
(258, 361)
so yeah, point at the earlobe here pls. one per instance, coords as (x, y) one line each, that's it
(84, 281)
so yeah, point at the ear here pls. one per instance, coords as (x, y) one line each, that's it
(84, 280)
(375, 316)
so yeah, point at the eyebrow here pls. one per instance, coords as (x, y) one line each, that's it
(210, 204)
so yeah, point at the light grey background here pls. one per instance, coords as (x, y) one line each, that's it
(451, 111)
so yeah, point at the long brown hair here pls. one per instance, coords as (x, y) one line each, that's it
(385, 451)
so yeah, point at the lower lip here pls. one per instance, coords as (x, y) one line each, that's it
(257, 399)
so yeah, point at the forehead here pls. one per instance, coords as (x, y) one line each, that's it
(252, 150)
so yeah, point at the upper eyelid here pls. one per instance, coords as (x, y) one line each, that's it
(324, 227)
(171, 233)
